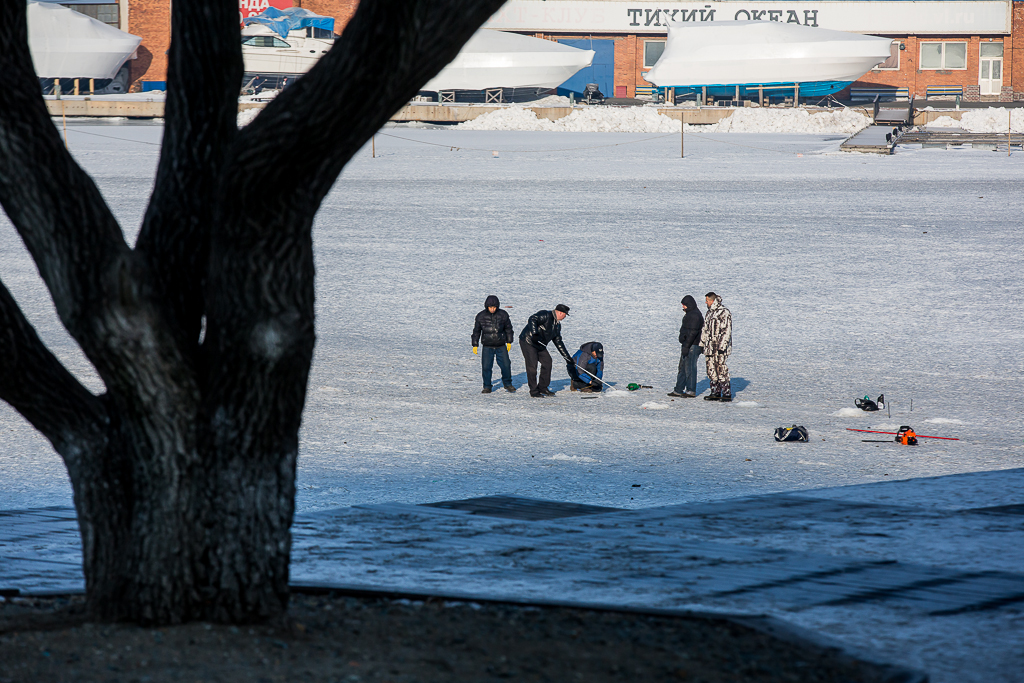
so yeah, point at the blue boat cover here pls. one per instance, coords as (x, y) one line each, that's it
(281, 21)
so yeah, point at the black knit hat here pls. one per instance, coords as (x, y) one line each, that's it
(563, 308)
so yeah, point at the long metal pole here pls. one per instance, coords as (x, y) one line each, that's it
(682, 135)
(1009, 127)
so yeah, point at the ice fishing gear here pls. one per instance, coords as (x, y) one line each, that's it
(633, 386)
(793, 433)
(906, 436)
(919, 436)
(865, 404)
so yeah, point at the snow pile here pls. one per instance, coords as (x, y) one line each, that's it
(573, 458)
(246, 116)
(550, 101)
(648, 120)
(849, 412)
(583, 120)
(992, 120)
(652, 405)
(943, 122)
(845, 121)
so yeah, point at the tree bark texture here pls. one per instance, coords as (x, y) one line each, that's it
(183, 471)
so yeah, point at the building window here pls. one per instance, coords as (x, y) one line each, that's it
(893, 63)
(653, 50)
(107, 13)
(263, 41)
(943, 55)
(991, 50)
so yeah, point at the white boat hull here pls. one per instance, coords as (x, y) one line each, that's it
(495, 59)
(67, 44)
(763, 52)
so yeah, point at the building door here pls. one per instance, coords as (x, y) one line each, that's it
(602, 71)
(990, 73)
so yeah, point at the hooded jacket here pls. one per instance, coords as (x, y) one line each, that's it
(583, 359)
(542, 329)
(493, 329)
(693, 323)
(716, 337)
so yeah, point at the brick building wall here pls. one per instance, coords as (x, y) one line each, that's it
(341, 10)
(151, 21)
(917, 80)
(1013, 57)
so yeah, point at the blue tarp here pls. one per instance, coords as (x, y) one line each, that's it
(282, 21)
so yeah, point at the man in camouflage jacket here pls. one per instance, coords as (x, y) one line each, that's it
(716, 339)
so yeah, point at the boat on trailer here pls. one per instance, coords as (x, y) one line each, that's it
(493, 60)
(68, 46)
(769, 58)
(278, 45)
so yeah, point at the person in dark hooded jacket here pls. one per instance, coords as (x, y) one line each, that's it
(689, 338)
(589, 367)
(493, 330)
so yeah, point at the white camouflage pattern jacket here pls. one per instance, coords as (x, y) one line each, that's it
(716, 337)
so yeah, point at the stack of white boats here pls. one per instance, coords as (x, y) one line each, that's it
(719, 58)
(489, 60)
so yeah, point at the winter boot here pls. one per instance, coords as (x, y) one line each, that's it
(726, 398)
(486, 390)
(510, 389)
(713, 397)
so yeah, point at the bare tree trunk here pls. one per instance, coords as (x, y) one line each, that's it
(184, 470)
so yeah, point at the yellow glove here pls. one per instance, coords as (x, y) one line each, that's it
(474, 349)
(508, 347)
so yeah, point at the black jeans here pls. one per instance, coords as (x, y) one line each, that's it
(532, 356)
(686, 377)
(489, 354)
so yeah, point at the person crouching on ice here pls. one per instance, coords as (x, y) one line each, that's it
(543, 328)
(716, 338)
(588, 364)
(494, 330)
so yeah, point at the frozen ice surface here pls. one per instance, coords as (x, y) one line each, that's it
(846, 275)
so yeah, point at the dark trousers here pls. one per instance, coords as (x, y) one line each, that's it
(532, 356)
(489, 354)
(686, 377)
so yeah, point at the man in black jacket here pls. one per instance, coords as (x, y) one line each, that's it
(494, 330)
(689, 336)
(543, 328)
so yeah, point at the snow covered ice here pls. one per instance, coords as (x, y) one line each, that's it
(846, 275)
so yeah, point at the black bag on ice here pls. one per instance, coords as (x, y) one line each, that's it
(793, 433)
(865, 404)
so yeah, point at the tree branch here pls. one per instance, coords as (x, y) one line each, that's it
(385, 55)
(200, 123)
(38, 386)
(99, 286)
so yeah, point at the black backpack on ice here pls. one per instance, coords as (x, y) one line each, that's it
(793, 433)
(865, 404)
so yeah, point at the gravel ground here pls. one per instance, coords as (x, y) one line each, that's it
(336, 638)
